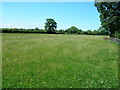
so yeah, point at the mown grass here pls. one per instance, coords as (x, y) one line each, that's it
(59, 61)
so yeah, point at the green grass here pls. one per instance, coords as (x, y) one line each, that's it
(59, 61)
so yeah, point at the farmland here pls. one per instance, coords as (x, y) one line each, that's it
(58, 61)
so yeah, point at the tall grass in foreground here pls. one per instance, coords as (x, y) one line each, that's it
(59, 61)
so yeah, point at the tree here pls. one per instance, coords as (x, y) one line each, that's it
(36, 28)
(72, 30)
(109, 16)
(61, 31)
(117, 34)
(89, 32)
(85, 32)
(102, 31)
(79, 31)
(95, 32)
(50, 25)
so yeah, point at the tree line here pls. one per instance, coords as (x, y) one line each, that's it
(50, 28)
(71, 30)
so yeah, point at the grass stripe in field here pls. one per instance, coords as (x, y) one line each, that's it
(59, 61)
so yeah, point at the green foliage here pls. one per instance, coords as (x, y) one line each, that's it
(50, 25)
(85, 33)
(89, 32)
(117, 34)
(36, 28)
(95, 32)
(16, 30)
(79, 31)
(109, 16)
(73, 30)
(61, 31)
(70, 61)
(103, 31)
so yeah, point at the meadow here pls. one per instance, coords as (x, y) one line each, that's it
(58, 61)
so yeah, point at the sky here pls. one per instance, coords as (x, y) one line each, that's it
(48, 0)
(83, 15)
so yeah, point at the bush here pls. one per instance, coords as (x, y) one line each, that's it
(117, 34)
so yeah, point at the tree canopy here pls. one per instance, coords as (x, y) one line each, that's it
(73, 30)
(50, 25)
(109, 16)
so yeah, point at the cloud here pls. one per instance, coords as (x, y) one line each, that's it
(35, 24)
(7, 25)
(11, 26)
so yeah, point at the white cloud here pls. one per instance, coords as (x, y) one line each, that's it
(35, 24)
(11, 26)
(7, 25)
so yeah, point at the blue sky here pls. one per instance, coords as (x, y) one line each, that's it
(83, 15)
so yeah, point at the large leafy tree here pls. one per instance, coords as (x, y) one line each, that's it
(109, 16)
(50, 25)
(72, 30)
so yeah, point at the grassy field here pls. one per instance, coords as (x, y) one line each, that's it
(59, 61)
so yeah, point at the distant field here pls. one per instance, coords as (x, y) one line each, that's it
(59, 61)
